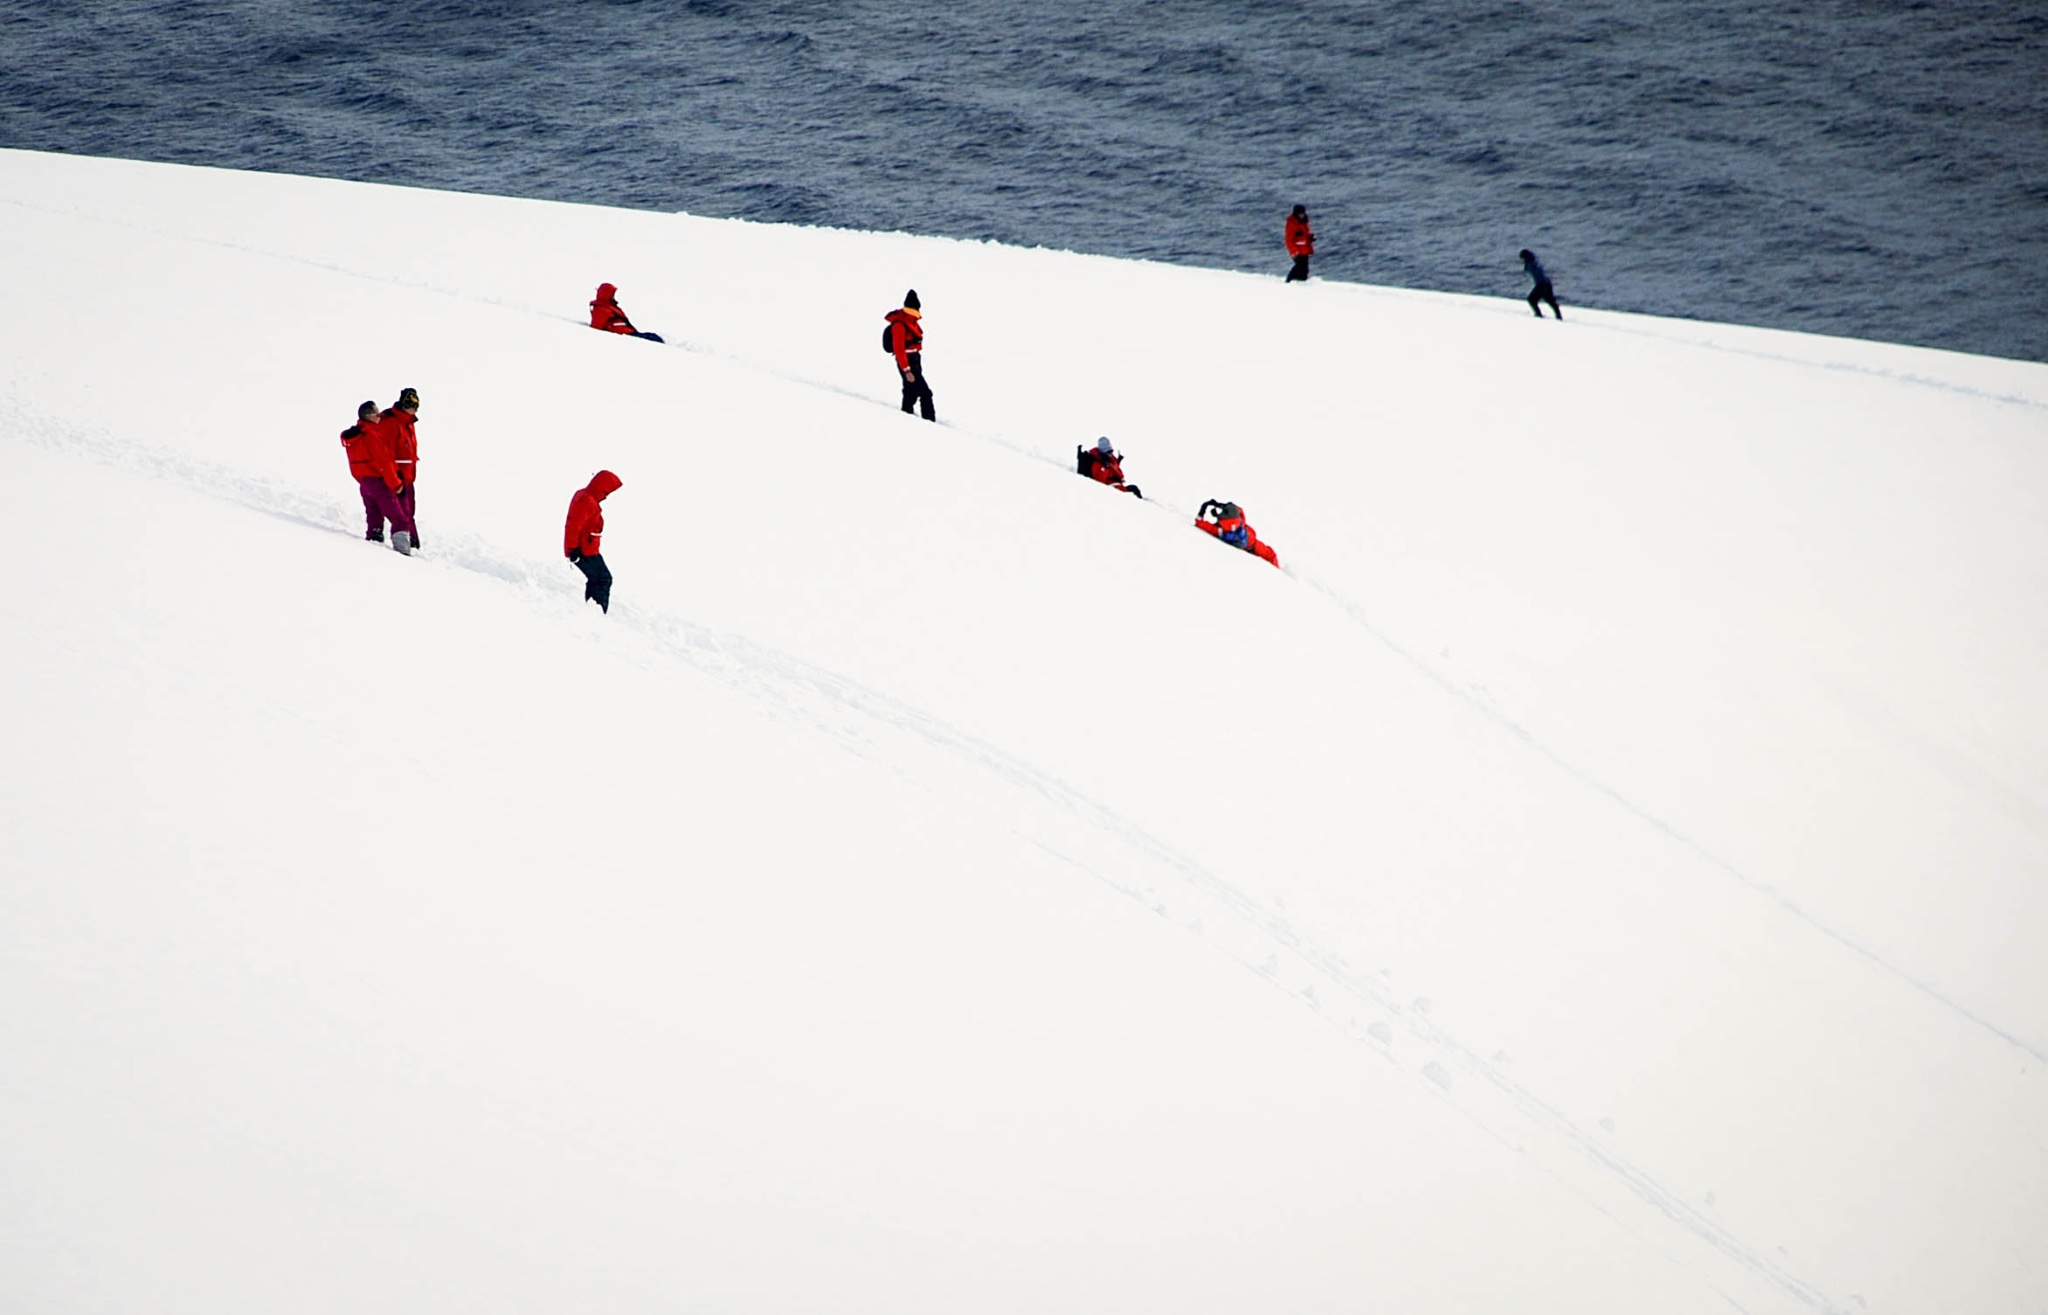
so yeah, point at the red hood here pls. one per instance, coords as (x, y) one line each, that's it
(603, 484)
(607, 291)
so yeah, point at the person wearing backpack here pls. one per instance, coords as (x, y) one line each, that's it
(1301, 243)
(1103, 464)
(904, 339)
(1226, 521)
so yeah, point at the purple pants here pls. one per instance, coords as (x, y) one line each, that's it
(381, 504)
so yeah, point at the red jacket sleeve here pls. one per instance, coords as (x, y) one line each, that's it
(585, 528)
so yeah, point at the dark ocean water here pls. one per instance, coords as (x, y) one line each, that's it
(1878, 170)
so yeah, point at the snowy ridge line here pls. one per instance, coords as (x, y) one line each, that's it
(1606, 321)
(815, 699)
(1493, 713)
(2035, 402)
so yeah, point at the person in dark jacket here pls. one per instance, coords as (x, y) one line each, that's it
(583, 537)
(368, 445)
(906, 343)
(1105, 465)
(1542, 292)
(1301, 243)
(399, 420)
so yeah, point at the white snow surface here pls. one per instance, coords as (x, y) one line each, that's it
(1606, 869)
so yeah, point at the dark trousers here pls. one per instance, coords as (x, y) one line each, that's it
(379, 505)
(599, 577)
(1299, 274)
(1540, 293)
(916, 392)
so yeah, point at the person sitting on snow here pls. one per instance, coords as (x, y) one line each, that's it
(1226, 521)
(1104, 464)
(605, 314)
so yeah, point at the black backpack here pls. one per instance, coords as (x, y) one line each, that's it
(889, 338)
(1084, 460)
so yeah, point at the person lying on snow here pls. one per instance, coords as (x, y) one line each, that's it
(606, 315)
(1103, 464)
(1226, 521)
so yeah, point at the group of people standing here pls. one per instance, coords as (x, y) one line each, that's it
(383, 444)
(383, 450)
(1300, 241)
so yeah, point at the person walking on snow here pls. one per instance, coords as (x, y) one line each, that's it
(1226, 521)
(1301, 243)
(398, 421)
(606, 315)
(369, 459)
(1542, 291)
(583, 537)
(905, 340)
(1105, 465)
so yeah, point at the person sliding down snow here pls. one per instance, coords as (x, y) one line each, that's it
(1226, 521)
(1105, 465)
(605, 314)
(368, 444)
(583, 536)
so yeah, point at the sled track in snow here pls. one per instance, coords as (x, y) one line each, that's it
(1055, 817)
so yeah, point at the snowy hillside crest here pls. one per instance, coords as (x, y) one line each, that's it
(1604, 870)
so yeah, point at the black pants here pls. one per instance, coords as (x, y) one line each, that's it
(1299, 274)
(1542, 292)
(916, 392)
(599, 588)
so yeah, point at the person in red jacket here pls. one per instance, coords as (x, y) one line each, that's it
(606, 315)
(1226, 521)
(1105, 465)
(369, 459)
(583, 537)
(1301, 243)
(906, 342)
(399, 419)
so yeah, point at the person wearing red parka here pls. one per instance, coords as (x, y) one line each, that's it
(905, 337)
(1226, 521)
(1104, 464)
(1301, 243)
(583, 537)
(368, 444)
(399, 420)
(606, 314)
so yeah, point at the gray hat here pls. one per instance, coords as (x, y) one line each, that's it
(1102, 445)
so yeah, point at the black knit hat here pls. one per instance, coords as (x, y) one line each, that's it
(409, 397)
(910, 301)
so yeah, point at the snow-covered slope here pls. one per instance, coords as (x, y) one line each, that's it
(1606, 870)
